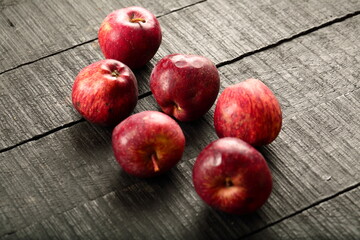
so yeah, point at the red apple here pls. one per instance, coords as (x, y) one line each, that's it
(250, 111)
(131, 35)
(105, 92)
(232, 176)
(185, 86)
(148, 143)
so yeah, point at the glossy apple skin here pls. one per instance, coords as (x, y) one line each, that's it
(105, 92)
(133, 43)
(250, 111)
(232, 176)
(185, 86)
(146, 137)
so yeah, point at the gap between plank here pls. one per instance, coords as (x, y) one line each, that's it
(242, 237)
(37, 137)
(302, 210)
(67, 125)
(91, 40)
(303, 33)
(219, 65)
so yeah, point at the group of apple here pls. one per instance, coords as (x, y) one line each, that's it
(229, 174)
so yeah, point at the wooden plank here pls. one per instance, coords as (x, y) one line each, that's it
(36, 98)
(60, 171)
(34, 29)
(337, 218)
(225, 29)
(71, 178)
(306, 71)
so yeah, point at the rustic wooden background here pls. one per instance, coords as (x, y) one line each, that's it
(58, 176)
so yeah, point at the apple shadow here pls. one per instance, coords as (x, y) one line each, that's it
(86, 136)
(222, 225)
(143, 195)
(198, 134)
(89, 153)
(143, 77)
(269, 155)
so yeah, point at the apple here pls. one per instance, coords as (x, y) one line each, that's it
(148, 143)
(131, 35)
(232, 176)
(185, 86)
(250, 111)
(105, 92)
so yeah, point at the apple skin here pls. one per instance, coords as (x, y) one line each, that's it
(105, 92)
(130, 35)
(250, 111)
(185, 86)
(148, 143)
(232, 176)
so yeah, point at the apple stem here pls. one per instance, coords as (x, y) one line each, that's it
(154, 161)
(228, 182)
(115, 73)
(136, 20)
(177, 107)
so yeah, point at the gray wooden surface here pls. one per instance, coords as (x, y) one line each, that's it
(58, 176)
(336, 215)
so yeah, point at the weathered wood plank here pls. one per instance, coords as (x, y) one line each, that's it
(33, 29)
(223, 29)
(337, 218)
(46, 185)
(306, 71)
(42, 177)
(36, 98)
(49, 182)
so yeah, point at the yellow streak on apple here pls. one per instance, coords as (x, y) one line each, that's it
(106, 26)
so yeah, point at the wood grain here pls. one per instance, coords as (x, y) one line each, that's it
(306, 71)
(72, 175)
(68, 185)
(226, 29)
(34, 29)
(60, 171)
(36, 98)
(337, 218)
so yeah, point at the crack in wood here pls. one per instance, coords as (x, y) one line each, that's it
(303, 209)
(37, 137)
(339, 193)
(86, 42)
(11, 24)
(9, 233)
(303, 33)
(219, 65)
(54, 130)
(181, 8)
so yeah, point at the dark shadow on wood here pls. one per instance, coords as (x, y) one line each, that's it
(144, 195)
(266, 152)
(83, 130)
(226, 226)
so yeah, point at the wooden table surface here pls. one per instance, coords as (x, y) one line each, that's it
(59, 178)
